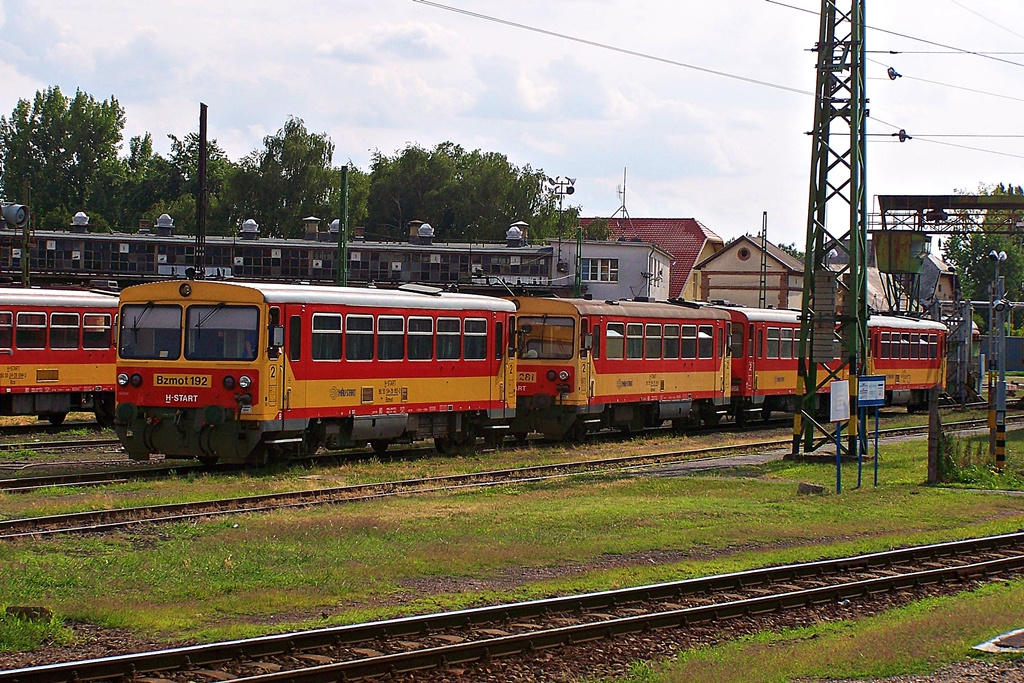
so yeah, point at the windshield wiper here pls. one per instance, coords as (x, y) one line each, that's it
(146, 310)
(202, 321)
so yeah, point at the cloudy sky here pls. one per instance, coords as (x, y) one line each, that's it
(378, 74)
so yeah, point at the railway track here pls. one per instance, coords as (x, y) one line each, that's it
(112, 519)
(433, 641)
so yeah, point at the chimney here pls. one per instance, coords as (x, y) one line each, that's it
(250, 230)
(311, 228)
(164, 225)
(516, 234)
(80, 223)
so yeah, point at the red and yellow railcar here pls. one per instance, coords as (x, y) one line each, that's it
(243, 371)
(586, 365)
(59, 352)
(765, 346)
(911, 354)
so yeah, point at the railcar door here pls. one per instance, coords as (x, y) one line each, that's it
(274, 387)
(586, 352)
(293, 396)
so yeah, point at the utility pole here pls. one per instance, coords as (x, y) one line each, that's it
(835, 271)
(341, 272)
(200, 259)
(762, 287)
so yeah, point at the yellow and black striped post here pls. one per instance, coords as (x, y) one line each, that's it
(1000, 441)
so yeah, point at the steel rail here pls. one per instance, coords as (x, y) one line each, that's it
(114, 518)
(131, 665)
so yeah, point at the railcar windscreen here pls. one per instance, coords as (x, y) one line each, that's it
(221, 332)
(149, 331)
(547, 337)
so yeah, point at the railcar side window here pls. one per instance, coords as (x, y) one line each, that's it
(149, 331)
(597, 342)
(787, 342)
(97, 331)
(773, 342)
(6, 329)
(933, 346)
(750, 341)
(884, 351)
(652, 341)
(31, 331)
(689, 341)
(634, 340)
(737, 341)
(905, 346)
(449, 338)
(706, 341)
(221, 332)
(390, 337)
(547, 337)
(499, 340)
(476, 339)
(421, 338)
(671, 341)
(915, 346)
(615, 341)
(64, 330)
(359, 337)
(295, 337)
(326, 336)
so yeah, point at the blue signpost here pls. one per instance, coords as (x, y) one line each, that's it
(870, 394)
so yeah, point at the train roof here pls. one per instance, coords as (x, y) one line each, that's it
(77, 298)
(774, 315)
(628, 308)
(901, 323)
(276, 293)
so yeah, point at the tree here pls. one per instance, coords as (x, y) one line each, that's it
(792, 250)
(463, 195)
(968, 254)
(289, 179)
(65, 149)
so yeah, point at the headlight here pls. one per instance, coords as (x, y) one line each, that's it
(563, 375)
(229, 382)
(244, 381)
(122, 380)
(136, 380)
(552, 375)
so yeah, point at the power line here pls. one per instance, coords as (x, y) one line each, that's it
(930, 139)
(950, 85)
(984, 18)
(985, 55)
(613, 48)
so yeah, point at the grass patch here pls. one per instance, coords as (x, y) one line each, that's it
(917, 639)
(19, 635)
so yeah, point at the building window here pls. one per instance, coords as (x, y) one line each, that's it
(599, 269)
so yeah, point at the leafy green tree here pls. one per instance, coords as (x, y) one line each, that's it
(969, 252)
(463, 195)
(289, 179)
(64, 148)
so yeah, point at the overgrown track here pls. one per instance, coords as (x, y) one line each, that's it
(112, 519)
(60, 445)
(437, 640)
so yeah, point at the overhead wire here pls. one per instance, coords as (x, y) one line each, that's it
(960, 50)
(950, 85)
(613, 48)
(984, 18)
(930, 139)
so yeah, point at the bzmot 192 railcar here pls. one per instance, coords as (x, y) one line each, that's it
(60, 353)
(237, 373)
(586, 365)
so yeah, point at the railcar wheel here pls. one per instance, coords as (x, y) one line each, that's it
(56, 419)
(578, 432)
(766, 414)
(444, 445)
(741, 417)
(208, 460)
(380, 446)
(494, 439)
(520, 438)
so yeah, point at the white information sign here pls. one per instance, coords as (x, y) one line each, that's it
(871, 391)
(840, 400)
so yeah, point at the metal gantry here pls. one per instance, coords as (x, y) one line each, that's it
(835, 271)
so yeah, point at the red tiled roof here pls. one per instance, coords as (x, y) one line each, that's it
(684, 238)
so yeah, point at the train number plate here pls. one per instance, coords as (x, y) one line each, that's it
(181, 380)
(526, 377)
